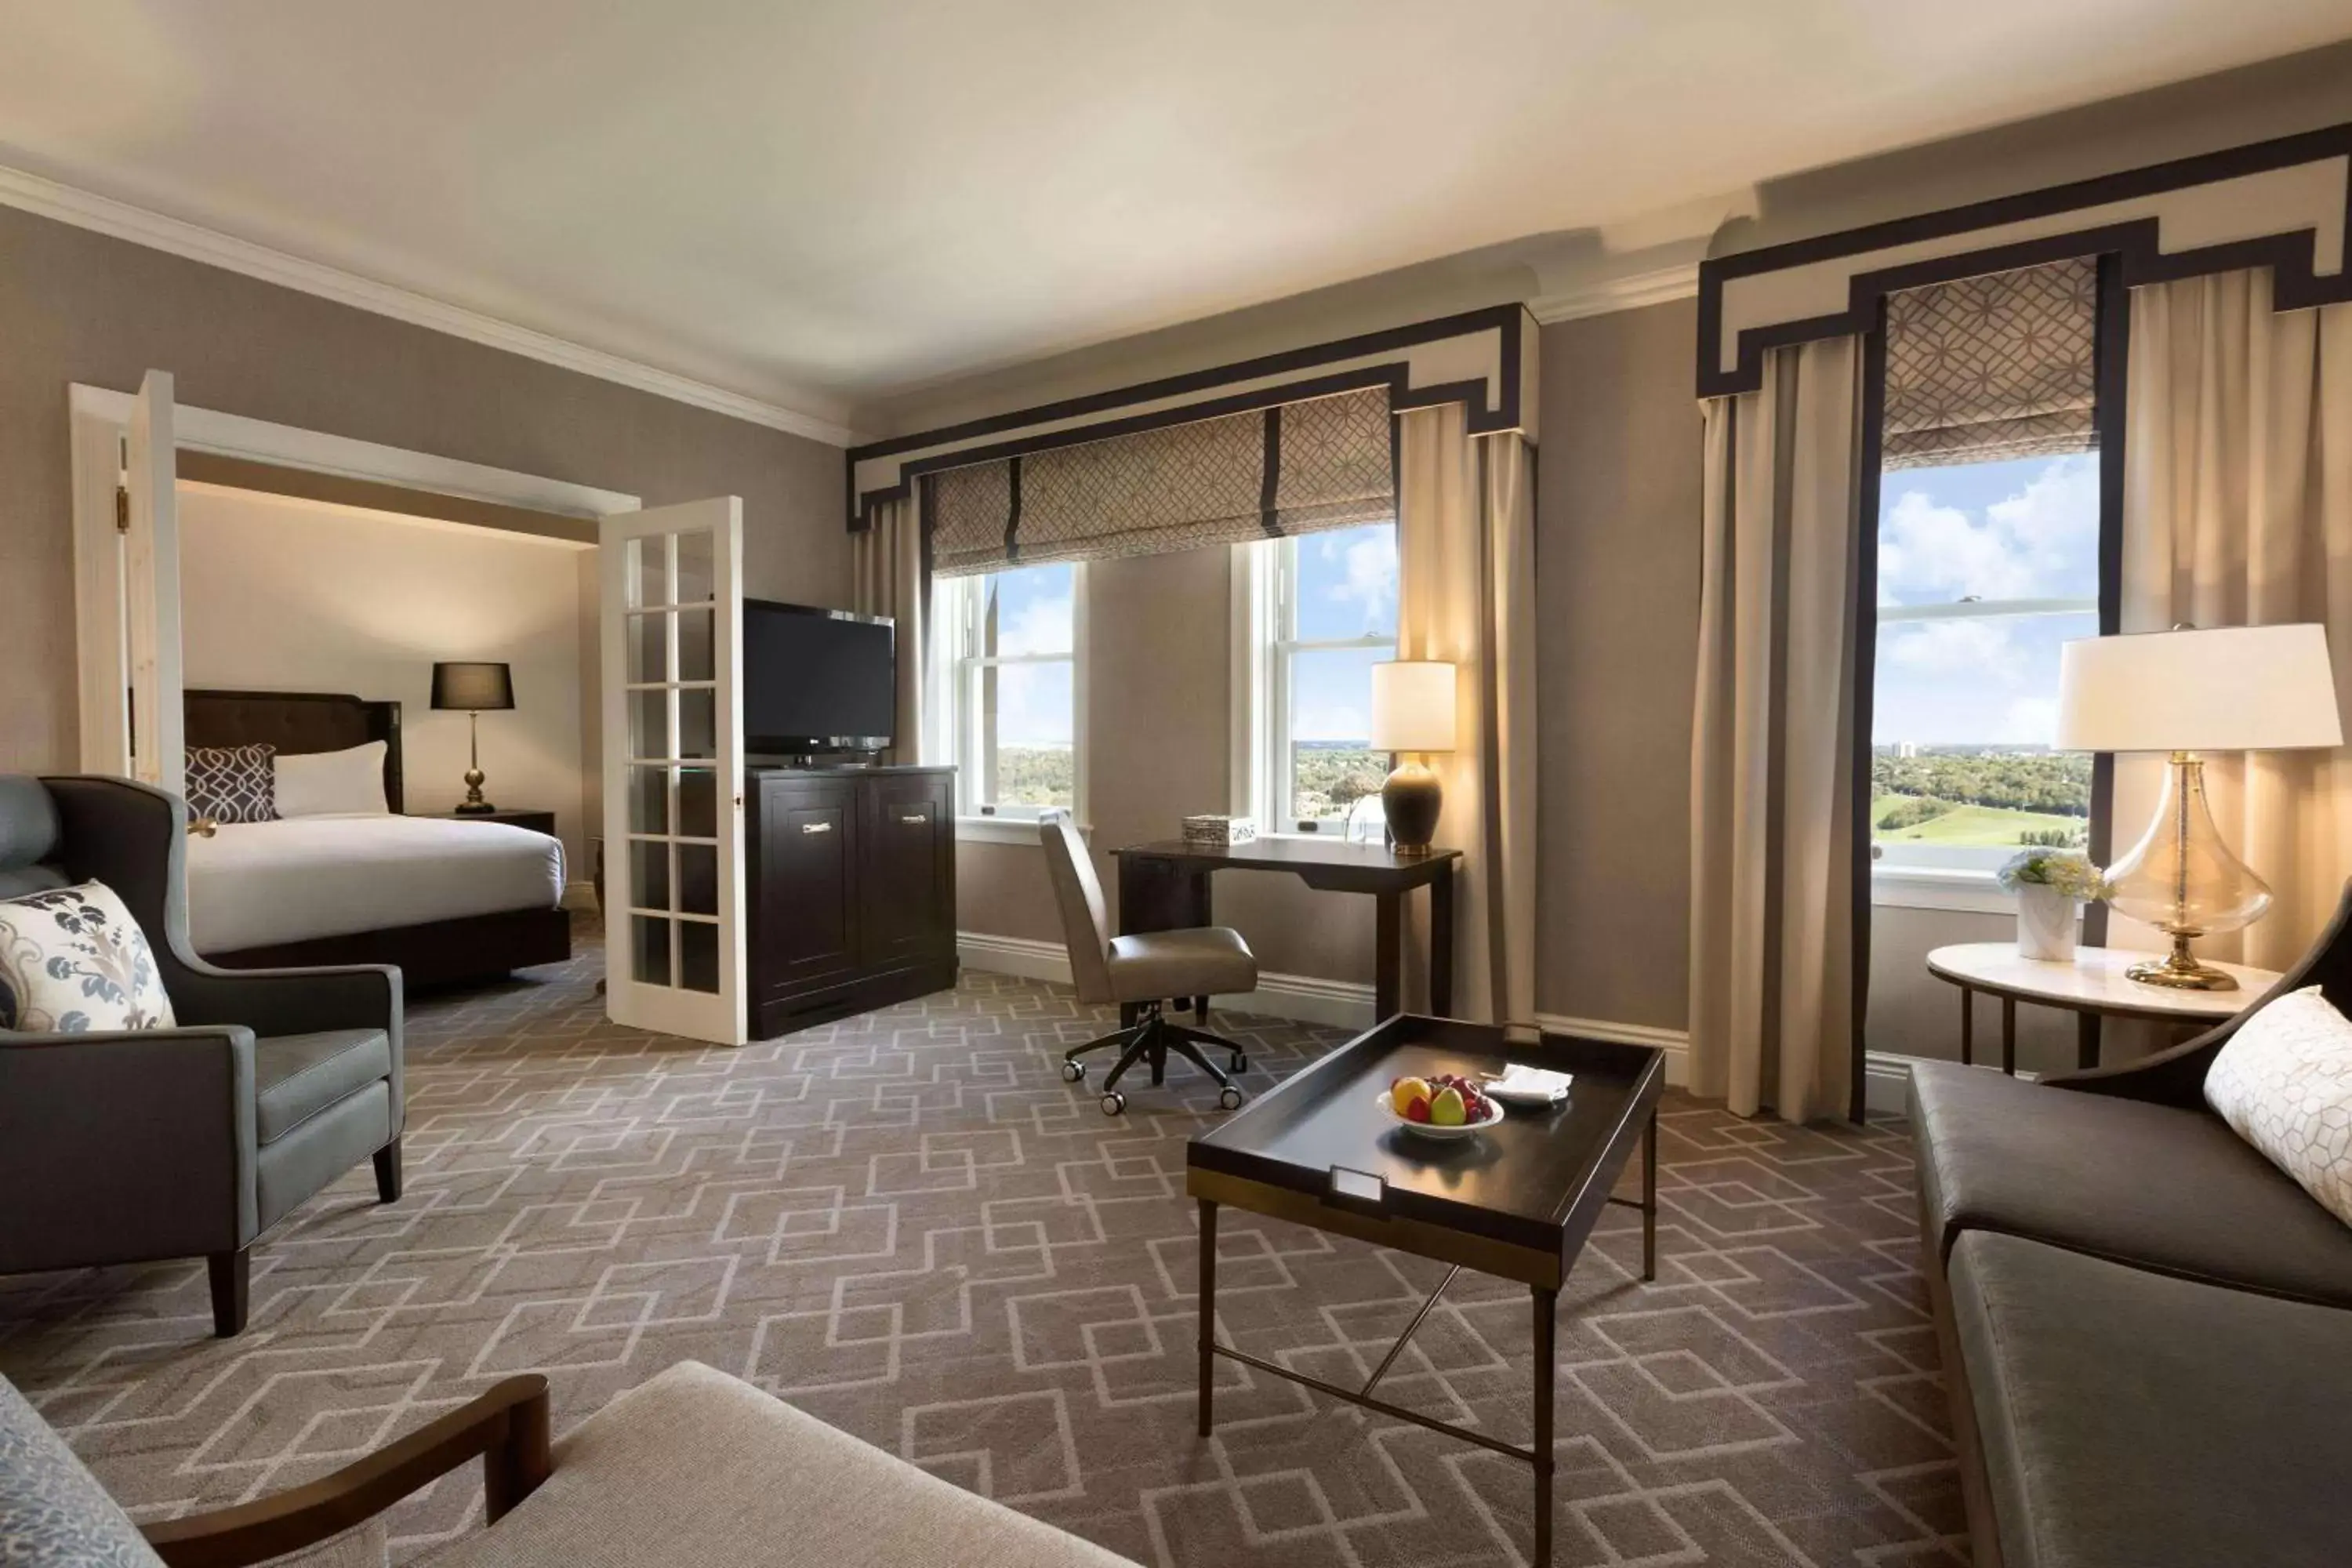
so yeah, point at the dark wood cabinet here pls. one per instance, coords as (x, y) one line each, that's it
(852, 890)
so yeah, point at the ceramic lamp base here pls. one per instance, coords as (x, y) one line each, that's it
(1411, 799)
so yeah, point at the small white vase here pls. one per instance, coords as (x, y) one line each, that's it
(2045, 924)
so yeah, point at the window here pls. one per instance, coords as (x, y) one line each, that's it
(1984, 569)
(1319, 611)
(1008, 643)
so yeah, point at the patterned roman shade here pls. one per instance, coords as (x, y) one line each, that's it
(1299, 467)
(1993, 367)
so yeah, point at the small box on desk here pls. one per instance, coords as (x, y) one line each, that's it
(1219, 832)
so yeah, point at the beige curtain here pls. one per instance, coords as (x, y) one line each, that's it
(1772, 938)
(2238, 511)
(887, 578)
(1466, 546)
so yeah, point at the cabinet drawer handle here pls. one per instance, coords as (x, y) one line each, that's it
(916, 819)
(817, 828)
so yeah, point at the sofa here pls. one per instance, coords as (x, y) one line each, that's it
(2146, 1326)
(192, 1141)
(691, 1466)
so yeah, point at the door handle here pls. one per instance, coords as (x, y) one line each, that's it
(817, 828)
(916, 819)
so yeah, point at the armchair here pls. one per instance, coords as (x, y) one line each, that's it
(194, 1140)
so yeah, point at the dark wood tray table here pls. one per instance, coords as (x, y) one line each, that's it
(1516, 1200)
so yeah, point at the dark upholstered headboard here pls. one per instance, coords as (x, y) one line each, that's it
(299, 723)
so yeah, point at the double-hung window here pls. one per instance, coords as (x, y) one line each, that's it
(1314, 613)
(1984, 569)
(1010, 662)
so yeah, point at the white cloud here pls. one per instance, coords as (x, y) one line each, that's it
(1040, 626)
(1957, 647)
(2021, 546)
(1337, 722)
(1372, 580)
(2029, 722)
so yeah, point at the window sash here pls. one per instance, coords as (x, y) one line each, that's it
(1267, 610)
(960, 605)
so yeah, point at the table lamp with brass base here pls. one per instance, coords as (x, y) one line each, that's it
(2230, 688)
(473, 690)
(1412, 715)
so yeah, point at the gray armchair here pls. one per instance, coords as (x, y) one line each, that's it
(191, 1141)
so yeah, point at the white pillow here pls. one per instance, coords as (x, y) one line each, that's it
(2283, 1083)
(72, 960)
(332, 783)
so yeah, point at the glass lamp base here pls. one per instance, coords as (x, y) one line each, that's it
(2180, 971)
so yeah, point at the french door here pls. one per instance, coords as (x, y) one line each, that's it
(672, 630)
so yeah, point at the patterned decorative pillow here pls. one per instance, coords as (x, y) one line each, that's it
(72, 960)
(232, 783)
(52, 1508)
(2283, 1083)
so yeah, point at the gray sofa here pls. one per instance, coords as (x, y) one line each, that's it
(188, 1142)
(2147, 1327)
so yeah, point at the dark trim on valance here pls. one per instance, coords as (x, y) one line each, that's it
(1507, 321)
(2138, 242)
(1269, 489)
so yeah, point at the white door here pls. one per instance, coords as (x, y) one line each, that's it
(672, 626)
(151, 587)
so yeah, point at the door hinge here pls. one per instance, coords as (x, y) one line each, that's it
(121, 510)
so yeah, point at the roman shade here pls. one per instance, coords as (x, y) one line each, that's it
(1994, 367)
(1296, 467)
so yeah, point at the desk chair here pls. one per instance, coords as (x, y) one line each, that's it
(1140, 973)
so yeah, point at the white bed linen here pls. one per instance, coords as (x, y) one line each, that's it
(257, 884)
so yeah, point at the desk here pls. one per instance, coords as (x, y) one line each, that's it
(1164, 885)
(2092, 987)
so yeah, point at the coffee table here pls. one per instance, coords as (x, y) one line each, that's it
(1516, 1201)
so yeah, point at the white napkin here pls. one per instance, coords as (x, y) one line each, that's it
(1529, 1086)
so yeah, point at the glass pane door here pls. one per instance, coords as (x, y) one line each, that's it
(673, 766)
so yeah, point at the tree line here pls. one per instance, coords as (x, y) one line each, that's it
(2054, 782)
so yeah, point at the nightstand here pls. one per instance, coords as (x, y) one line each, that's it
(537, 821)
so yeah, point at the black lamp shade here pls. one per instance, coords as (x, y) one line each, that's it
(472, 688)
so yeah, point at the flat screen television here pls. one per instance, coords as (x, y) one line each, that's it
(816, 680)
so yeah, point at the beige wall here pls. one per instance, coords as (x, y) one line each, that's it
(1617, 564)
(1158, 724)
(279, 595)
(78, 306)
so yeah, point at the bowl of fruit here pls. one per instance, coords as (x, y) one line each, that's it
(1443, 1105)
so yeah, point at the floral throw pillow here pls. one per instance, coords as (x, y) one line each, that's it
(232, 783)
(72, 960)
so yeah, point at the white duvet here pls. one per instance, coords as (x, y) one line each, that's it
(257, 884)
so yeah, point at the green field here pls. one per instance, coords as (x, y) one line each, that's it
(1971, 825)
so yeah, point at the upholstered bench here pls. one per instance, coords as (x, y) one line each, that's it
(692, 1467)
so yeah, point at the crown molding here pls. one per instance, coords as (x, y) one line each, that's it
(1628, 292)
(103, 215)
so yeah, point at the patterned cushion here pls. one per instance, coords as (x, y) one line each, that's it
(232, 783)
(2283, 1083)
(52, 1510)
(73, 960)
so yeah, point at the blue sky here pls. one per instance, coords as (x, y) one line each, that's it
(2022, 530)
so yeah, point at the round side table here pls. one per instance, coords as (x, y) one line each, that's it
(2093, 986)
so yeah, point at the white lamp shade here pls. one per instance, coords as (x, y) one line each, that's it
(1412, 706)
(2228, 688)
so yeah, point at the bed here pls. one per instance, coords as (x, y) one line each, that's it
(445, 899)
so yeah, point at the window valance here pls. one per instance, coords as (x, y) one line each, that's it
(1993, 367)
(1298, 467)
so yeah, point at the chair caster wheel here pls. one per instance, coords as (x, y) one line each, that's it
(1237, 1063)
(1230, 1098)
(1073, 1071)
(1113, 1103)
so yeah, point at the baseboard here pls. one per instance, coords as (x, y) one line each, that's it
(579, 896)
(1886, 1081)
(1302, 998)
(1674, 1043)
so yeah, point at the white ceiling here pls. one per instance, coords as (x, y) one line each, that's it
(824, 202)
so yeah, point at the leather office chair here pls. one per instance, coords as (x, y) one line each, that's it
(155, 1144)
(1140, 972)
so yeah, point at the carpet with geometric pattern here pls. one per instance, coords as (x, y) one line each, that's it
(908, 1226)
